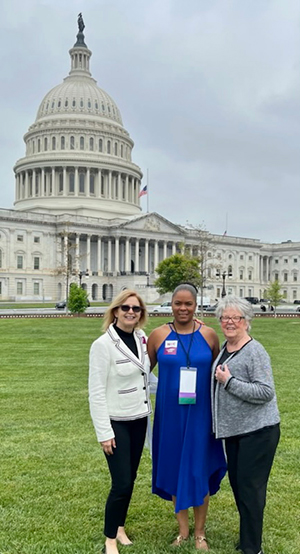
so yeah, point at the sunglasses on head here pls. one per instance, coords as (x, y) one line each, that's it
(126, 308)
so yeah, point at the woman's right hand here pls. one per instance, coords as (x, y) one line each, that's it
(107, 446)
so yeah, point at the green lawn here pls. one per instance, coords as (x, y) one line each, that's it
(54, 479)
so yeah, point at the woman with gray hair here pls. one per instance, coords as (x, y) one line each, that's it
(245, 414)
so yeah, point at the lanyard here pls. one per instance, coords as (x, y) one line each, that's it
(187, 353)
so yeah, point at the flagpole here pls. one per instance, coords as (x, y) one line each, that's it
(148, 190)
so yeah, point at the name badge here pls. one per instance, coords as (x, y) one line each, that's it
(171, 347)
(187, 386)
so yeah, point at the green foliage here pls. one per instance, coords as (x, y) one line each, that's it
(78, 299)
(177, 269)
(54, 477)
(273, 293)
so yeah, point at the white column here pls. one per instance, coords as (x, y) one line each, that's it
(126, 189)
(109, 185)
(99, 262)
(146, 255)
(165, 250)
(76, 182)
(155, 254)
(127, 266)
(53, 182)
(43, 182)
(117, 263)
(88, 252)
(64, 181)
(88, 173)
(137, 251)
(109, 256)
(174, 248)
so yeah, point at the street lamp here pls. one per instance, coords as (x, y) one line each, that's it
(148, 279)
(223, 287)
(83, 274)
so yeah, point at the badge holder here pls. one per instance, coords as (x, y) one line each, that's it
(187, 387)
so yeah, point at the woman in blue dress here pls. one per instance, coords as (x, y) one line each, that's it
(188, 462)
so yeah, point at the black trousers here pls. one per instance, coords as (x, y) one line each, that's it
(123, 465)
(250, 459)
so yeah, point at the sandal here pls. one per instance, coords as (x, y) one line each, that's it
(202, 541)
(179, 540)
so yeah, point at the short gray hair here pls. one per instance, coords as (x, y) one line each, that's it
(242, 305)
(186, 286)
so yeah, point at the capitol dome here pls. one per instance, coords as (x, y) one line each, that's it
(78, 153)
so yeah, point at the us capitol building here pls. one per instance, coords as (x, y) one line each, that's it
(77, 215)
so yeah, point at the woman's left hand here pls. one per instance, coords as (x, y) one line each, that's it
(222, 373)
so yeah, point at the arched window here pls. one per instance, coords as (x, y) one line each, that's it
(33, 146)
(81, 182)
(71, 182)
(116, 148)
(92, 183)
(91, 144)
(39, 145)
(122, 150)
(102, 185)
(81, 102)
(229, 270)
(81, 143)
(108, 147)
(62, 143)
(74, 103)
(53, 143)
(100, 145)
(72, 143)
(45, 144)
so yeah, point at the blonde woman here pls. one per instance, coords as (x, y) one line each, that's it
(119, 404)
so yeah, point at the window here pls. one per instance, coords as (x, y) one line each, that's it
(36, 239)
(295, 277)
(209, 272)
(108, 146)
(81, 102)
(230, 257)
(241, 274)
(285, 277)
(116, 148)
(92, 183)
(19, 287)
(295, 260)
(60, 182)
(36, 289)
(102, 185)
(284, 294)
(81, 143)
(91, 144)
(53, 143)
(241, 256)
(218, 273)
(100, 145)
(72, 143)
(62, 143)
(72, 182)
(0, 258)
(229, 271)
(122, 150)
(81, 182)
(250, 258)
(276, 276)
(285, 260)
(20, 262)
(218, 292)
(33, 146)
(74, 103)
(39, 145)
(20, 238)
(36, 262)
(294, 294)
(276, 261)
(45, 144)
(250, 275)
(241, 293)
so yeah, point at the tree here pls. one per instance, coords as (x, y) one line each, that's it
(177, 269)
(274, 295)
(78, 300)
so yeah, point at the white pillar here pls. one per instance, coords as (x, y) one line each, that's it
(137, 251)
(77, 259)
(165, 250)
(88, 252)
(53, 182)
(99, 262)
(117, 263)
(88, 173)
(127, 266)
(147, 255)
(109, 256)
(173, 248)
(155, 254)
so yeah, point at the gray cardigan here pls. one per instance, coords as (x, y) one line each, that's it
(247, 402)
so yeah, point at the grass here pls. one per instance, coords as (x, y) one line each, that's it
(54, 479)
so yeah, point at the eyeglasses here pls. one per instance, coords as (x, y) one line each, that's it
(234, 318)
(126, 308)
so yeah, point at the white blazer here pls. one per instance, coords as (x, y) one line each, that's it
(118, 381)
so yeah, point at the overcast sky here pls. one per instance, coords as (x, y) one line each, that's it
(209, 91)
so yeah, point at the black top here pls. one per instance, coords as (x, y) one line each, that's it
(128, 339)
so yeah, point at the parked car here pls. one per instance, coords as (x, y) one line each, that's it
(211, 308)
(60, 305)
(252, 299)
(164, 308)
(296, 301)
(298, 309)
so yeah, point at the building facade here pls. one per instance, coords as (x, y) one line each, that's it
(77, 215)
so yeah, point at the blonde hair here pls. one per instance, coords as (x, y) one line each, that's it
(109, 316)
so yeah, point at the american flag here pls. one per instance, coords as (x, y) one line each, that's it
(143, 191)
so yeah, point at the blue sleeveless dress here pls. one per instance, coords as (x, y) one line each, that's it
(188, 462)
